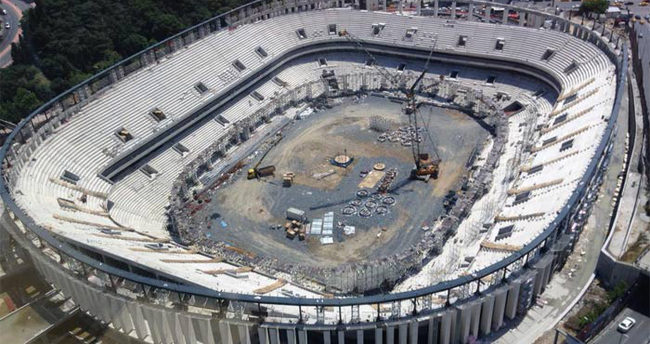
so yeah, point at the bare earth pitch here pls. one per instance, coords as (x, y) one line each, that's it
(242, 211)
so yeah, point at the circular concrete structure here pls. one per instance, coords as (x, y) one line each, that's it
(120, 259)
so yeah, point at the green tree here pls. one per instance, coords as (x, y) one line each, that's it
(594, 6)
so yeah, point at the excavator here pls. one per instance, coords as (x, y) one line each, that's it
(426, 166)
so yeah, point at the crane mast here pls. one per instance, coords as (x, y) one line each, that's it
(425, 165)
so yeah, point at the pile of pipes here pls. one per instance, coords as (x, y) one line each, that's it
(406, 135)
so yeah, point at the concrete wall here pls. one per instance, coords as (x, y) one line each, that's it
(610, 271)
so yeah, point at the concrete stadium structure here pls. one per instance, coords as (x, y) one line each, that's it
(112, 253)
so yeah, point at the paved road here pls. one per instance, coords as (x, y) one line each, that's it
(639, 334)
(14, 13)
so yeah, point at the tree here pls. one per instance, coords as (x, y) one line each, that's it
(594, 6)
(66, 41)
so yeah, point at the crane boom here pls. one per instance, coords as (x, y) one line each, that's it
(394, 79)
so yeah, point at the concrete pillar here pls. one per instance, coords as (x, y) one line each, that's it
(463, 323)
(400, 7)
(226, 336)
(274, 336)
(413, 329)
(499, 307)
(403, 333)
(327, 337)
(453, 10)
(522, 18)
(263, 335)
(470, 12)
(446, 326)
(379, 336)
(341, 335)
(390, 334)
(504, 18)
(488, 13)
(435, 8)
(418, 5)
(487, 308)
(476, 318)
(513, 299)
(359, 336)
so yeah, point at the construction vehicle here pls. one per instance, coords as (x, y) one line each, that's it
(287, 179)
(258, 172)
(426, 166)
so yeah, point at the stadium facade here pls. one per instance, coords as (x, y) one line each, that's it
(114, 271)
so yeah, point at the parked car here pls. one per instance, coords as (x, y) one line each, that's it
(4, 12)
(7, 26)
(626, 324)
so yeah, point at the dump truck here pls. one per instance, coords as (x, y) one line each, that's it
(261, 172)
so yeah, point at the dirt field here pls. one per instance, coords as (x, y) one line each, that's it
(244, 210)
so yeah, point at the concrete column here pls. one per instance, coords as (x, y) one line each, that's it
(488, 13)
(302, 336)
(400, 7)
(403, 333)
(141, 330)
(499, 307)
(487, 309)
(263, 335)
(476, 318)
(432, 336)
(341, 335)
(326, 337)
(291, 336)
(513, 299)
(463, 322)
(413, 328)
(446, 326)
(453, 10)
(522, 18)
(390, 334)
(274, 336)
(548, 268)
(470, 13)
(418, 5)
(504, 18)
(226, 336)
(435, 8)
(383, 5)
(379, 336)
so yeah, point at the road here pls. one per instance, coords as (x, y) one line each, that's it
(639, 334)
(14, 13)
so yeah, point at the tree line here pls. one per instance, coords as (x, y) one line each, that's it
(66, 41)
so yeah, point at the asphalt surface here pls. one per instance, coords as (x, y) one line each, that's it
(12, 17)
(638, 334)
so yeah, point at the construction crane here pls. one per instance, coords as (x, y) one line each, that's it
(426, 166)
(257, 172)
(394, 79)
